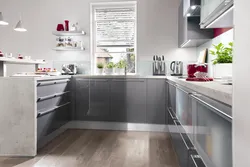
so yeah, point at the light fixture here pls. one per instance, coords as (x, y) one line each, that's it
(189, 14)
(229, 10)
(2, 22)
(19, 27)
(193, 7)
(184, 44)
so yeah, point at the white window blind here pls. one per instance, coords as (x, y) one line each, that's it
(114, 34)
(115, 27)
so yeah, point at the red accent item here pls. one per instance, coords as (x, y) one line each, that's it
(60, 27)
(20, 56)
(219, 31)
(66, 25)
(200, 79)
(1, 54)
(193, 68)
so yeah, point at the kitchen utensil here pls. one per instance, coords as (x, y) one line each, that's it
(60, 27)
(159, 65)
(66, 25)
(177, 68)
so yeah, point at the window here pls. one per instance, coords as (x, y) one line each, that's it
(114, 34)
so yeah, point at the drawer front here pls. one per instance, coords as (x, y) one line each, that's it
(182, 145)
(47, 88)
(52, 120)
(53, 101)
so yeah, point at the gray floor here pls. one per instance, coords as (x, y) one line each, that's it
(91, 148)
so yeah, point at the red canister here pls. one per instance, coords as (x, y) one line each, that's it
(193, 68)
(66, 25)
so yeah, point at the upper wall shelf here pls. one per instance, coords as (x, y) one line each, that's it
(20, 61)
(69, 33)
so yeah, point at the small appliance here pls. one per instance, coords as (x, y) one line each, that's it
(198, 72)
(69, 69)
(159, 65)
(177, 68)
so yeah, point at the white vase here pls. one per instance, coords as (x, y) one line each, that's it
(223, 70)
(99, 71)
(120, 71)
(109, 71)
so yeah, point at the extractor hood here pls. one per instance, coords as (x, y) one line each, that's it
(189, 31)
(191, 8)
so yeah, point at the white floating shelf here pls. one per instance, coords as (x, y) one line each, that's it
(20, 61)
(68, 49)
(69, 33)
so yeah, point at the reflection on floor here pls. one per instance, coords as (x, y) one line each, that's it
(90, 148)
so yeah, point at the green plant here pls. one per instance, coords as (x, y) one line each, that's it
(100, 65)
(110, 65)
(224, 53)
(121, 64)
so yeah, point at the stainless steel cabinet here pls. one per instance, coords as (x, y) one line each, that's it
(171, 103)
(156, 101)
(213, 131)
(128, 100)
(184, 109)
(92, 99)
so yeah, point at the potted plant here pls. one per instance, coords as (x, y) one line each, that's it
(120, 67)
(100, 68)
(109, 68)
(223, 61)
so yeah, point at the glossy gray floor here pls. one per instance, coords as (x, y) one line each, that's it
(90, 148)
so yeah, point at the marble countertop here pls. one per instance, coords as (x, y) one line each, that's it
(213, 89)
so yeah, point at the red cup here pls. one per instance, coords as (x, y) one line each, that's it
(60, 27)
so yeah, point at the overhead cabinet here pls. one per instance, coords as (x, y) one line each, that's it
(190, 33)
(217, 13)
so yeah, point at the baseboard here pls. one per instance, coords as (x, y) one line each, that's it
(116, 126)
(43, 141)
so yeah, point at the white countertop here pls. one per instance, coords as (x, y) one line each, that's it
(213, 89)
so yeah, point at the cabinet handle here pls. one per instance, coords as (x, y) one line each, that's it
(193, 157)
(127, 80)
(171, 115)
(184, 141)
(51, 96)
(212, 107)
(52, 82)
(51, 110)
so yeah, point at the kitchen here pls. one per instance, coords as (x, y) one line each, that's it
(42, 111)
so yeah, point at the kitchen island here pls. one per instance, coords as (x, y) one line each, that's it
(35, 110)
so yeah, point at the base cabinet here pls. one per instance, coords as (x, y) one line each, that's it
(92, 99)
(156, 101)
(128, 100)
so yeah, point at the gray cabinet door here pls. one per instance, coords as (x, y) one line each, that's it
(82, 98)
(156, 101)
(128, 100)
(92, 99)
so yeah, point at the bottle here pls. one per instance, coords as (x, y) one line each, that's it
(66, 25)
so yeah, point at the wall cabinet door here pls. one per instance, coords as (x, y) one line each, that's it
(156, 101)
(128, 100)
(92, 99)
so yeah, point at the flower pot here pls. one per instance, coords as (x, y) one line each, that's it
(99, 71)
(120, 71)
(222, 70)
(109, 71)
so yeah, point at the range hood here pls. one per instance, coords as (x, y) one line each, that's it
(189, 31)
(191, 8)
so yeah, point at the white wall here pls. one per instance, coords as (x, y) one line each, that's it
(224, 38)
(241, 88)
(157, 28)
